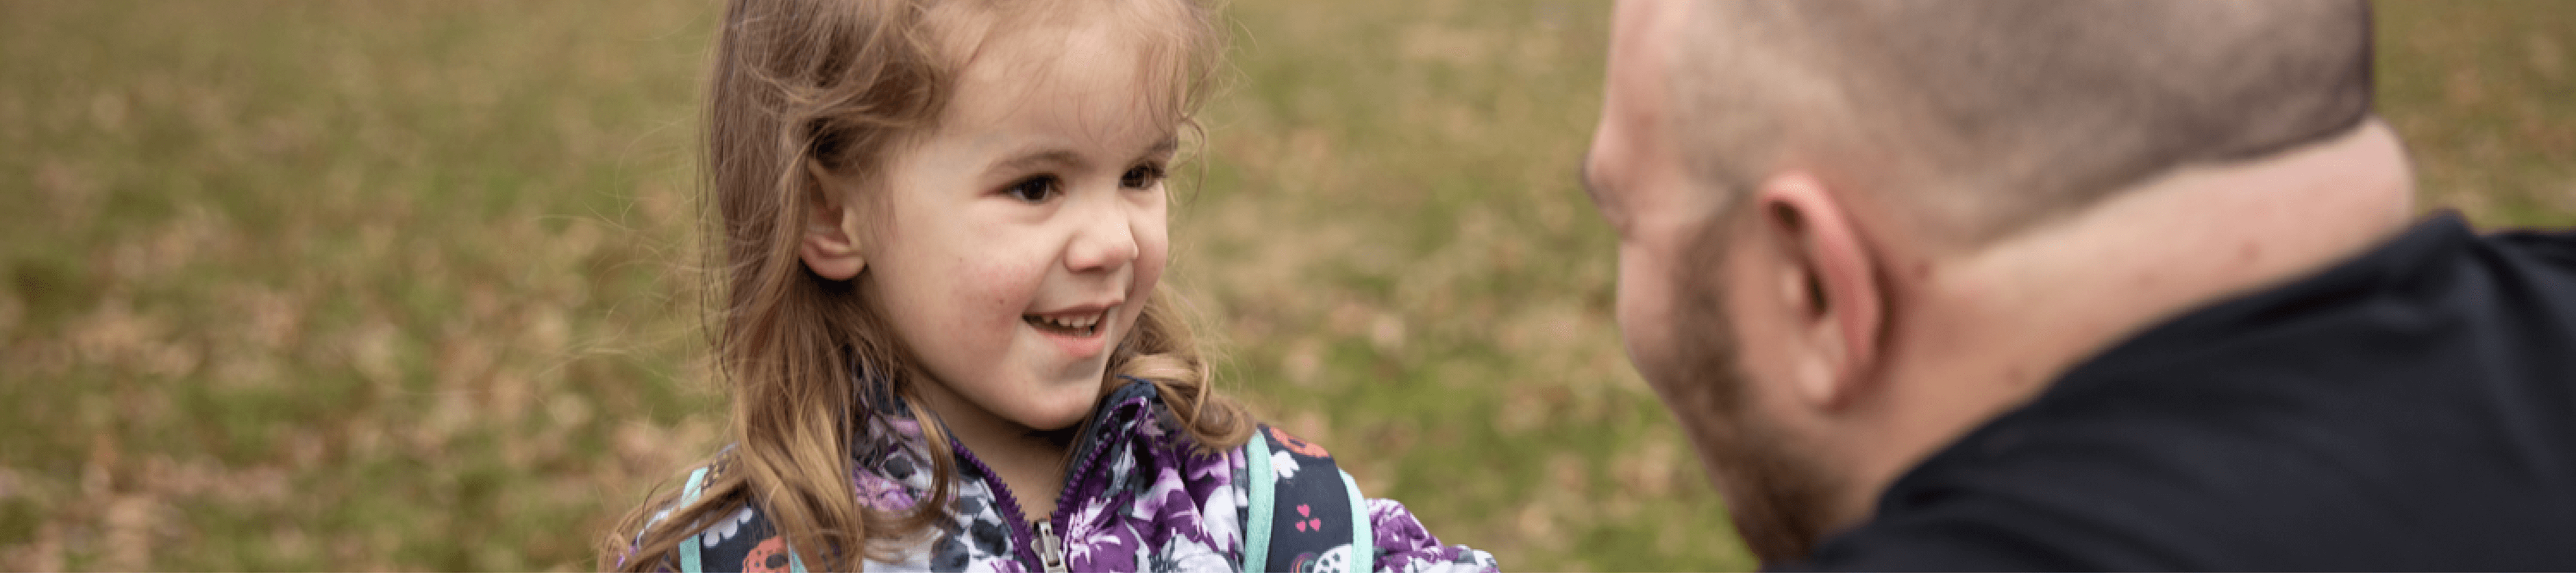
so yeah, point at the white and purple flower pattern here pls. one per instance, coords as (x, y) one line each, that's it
(1140, 497)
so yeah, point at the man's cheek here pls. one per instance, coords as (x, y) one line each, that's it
(1644, 318)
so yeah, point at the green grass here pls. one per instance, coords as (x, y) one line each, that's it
(309, 286)
(2485, 95)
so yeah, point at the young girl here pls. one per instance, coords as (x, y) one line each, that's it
(942, 231)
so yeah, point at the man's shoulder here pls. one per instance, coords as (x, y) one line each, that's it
(2524, 258)
(2412, 408)
(2554, 246)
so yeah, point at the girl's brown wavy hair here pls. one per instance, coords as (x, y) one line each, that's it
(841, 84)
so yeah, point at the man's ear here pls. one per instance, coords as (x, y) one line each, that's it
(830, 246)
(1830, 276)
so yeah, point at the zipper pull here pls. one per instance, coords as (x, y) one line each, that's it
(1050, 549)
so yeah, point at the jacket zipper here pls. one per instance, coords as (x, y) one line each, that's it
(1021, 536)
(1054, 556)
(1050, 548)
(1044, 547)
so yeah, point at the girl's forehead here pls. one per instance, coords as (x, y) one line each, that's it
(966, 32)
(1092, 76)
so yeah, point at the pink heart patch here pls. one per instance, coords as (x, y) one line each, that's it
(1301, 510)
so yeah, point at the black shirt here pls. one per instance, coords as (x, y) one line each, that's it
(2413, 408)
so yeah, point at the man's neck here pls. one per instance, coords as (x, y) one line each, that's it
(1990, 329)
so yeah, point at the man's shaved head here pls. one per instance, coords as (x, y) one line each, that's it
(1984, 117)
(1853, 231)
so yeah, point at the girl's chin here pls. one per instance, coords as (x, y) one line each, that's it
(1061, 409)
(1055, 421)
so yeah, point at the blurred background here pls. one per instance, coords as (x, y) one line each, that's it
(361, 286)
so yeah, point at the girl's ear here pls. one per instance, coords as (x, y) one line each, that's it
(831, 242)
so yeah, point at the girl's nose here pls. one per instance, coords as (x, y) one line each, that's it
(1105, 238)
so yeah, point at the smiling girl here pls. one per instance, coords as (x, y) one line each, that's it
(942, 232)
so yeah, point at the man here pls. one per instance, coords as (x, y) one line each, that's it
(2075, 285)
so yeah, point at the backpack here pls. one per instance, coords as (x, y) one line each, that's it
(1326, 521)
(690, 561)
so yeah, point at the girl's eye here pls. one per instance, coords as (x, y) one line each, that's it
(1140, 177)
(1033, 189)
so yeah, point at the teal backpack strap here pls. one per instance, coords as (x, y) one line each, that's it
(689, 561)
(1256, 528)
(1310, 517)
(1363, 541)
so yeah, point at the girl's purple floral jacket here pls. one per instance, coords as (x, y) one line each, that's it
(1138, 498)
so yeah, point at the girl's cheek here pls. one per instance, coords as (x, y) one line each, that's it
(1154, 249)
(1004, 289)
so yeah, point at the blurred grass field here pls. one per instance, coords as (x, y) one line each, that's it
(363, 286)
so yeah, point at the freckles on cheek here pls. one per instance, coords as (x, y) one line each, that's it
(1000, 291)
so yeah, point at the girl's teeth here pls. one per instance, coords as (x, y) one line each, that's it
(1078, 323)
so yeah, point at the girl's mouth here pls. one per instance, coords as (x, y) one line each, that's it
(1085, 325)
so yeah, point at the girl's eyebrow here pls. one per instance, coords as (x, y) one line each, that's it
(1037, 160)
(1168, 145)
(1042, 159)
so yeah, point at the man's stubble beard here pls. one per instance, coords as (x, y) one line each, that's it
(1779, 500)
